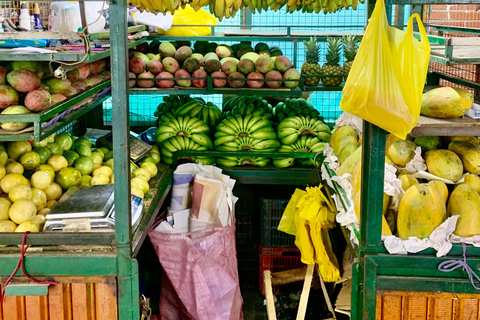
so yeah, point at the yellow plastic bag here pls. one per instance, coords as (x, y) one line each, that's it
(188, 16)
(386, 81)
(287, 223)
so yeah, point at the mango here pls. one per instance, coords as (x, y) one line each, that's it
(446, 103)
(444, 164)
(421, 211)
(401, 152)
(465, 202)
(23, 80)
(469, 153)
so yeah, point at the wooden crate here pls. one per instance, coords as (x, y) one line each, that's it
(397, 305)
(74, 298)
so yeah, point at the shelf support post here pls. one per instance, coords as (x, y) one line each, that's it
(127, 268)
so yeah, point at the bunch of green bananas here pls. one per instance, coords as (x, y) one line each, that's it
(208, 112)
(169, 104)
(308, 144)
(249, 144)
(185, 126)
(241, 161)
(293, 127)
(179, 143)
(295, 107)
(238, 101)
(251, 132)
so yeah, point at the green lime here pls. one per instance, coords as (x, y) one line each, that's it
(16, 148)
(104, 150)
(155, 156)
(97, 158)
(68, 177)
(71, 156)
(85, 180)
(100, 152)
(109, 163)
(55, 149)
(147, 159)
(44, 154)
(30, 160)
(2, 147)
(82, 140)
(108, 156)
(64, 140)
(84, 164)
(83, 150)
(3, 157)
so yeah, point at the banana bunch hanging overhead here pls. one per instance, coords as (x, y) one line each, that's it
(228, 8)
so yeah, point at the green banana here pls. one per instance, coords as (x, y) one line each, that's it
(283, 163)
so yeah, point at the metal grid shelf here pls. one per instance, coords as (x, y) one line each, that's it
(249, 33)
(72, 56)
(294, 92)
(38, 119)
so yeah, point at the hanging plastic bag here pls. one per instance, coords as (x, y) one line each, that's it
(287, 223)
(386, 81)
(188, 16)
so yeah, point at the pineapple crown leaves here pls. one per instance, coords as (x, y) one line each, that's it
(350, 47)
(312, 50)
(333, 51)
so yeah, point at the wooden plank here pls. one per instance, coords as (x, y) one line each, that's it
(14, 308)
(392, 307)
(60, 302)
(307, 284)
(418, 308)
(288, 276)
(36, 307)
(106, 300)
(267, 281)
(465, 41)
(427, 126)
(468, 309)
(79, 301)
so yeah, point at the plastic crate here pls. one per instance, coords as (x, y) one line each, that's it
(277, 259)
(271, 214)
(245, 216)
(247, 257)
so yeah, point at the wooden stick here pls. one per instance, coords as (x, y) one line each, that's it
(267, 281)
(326, 296)
(302, 307)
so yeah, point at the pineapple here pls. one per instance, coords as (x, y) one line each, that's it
(350, 46)
(332, 68)
(311, 66)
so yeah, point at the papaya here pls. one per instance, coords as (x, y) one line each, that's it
(356, 184)
(441, 188)
(473, 140)
(444, 164)
(401, 152)
(386, 231)
(343, 142)
(346, 152)
(465, 202)
(421, 211)
(407, 181)
(446, 103)
(473, 181)
(391, 138)
(340, 132)
(349, 164)
(428, 143)
(469, 153)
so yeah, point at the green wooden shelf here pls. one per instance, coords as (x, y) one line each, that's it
(264, 33)
(69, 56)
(295, 92)
(40, 118)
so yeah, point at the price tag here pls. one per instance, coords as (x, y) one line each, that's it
(77, 225)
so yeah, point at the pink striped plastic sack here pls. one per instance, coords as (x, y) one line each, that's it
(200, 279)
